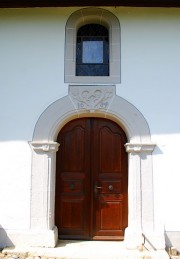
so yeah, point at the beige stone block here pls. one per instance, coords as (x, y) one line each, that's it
(173, 251)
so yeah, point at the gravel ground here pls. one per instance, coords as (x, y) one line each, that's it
(23, 256)
(28, 256)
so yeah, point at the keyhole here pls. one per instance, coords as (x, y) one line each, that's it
(72, 186)
(110, 187)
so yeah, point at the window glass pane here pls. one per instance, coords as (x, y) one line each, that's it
(92, 52)
(92, 70)
(93, 30)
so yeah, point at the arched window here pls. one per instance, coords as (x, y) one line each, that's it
(92, 47)
(92, 51)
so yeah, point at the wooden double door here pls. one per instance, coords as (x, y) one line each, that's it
(91, 180)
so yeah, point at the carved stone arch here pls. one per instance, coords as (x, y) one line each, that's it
(83, 17)
(74, 106)
(94, 101)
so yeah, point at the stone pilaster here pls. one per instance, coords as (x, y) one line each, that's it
(43, 195)
(141, 229)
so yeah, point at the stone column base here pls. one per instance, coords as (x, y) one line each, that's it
(37, 238)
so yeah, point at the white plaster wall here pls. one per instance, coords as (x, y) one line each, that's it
(150, 80)
(14, 184)
(32, 77)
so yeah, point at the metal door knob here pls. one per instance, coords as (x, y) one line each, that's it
(110, 187)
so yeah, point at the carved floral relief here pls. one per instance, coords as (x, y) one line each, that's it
(92, 97)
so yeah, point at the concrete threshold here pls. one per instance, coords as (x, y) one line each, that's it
(69, 249)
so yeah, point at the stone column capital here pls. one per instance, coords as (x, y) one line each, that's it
(140, 147)
(45, 147)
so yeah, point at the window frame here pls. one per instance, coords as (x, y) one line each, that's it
(88, 16)
(101, 67)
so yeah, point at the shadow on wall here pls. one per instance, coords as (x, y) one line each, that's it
(157, 151)
(4, 239)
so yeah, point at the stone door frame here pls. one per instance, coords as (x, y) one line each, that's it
(93, 101)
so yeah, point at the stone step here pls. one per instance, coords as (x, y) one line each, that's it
(84, 250)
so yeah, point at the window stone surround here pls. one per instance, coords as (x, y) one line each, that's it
(139, 147)
(83, 17)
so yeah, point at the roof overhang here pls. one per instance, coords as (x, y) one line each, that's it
(68, 3)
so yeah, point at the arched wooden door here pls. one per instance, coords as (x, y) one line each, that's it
(91, 180)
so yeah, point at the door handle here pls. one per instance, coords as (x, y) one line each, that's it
(96, 188)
